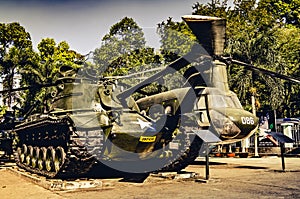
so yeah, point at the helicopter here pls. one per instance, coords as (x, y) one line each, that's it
(95, 120)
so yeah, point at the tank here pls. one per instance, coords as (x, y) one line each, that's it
(96, 121)
(88, 124)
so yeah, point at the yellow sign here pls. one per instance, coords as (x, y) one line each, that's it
(147, 138)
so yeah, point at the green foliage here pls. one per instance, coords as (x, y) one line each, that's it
(15, 54)
(123, 52)
(176, 39)
(284, 11)
(288, 51)
(18, 57)
(2, 110)
(216, 8)
(124, 42)
(45, 70)
(52, 57)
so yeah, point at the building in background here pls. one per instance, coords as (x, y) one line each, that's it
(16, 84)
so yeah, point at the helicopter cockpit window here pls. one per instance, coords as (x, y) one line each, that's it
(201, 103)
(217, 101)
(200, 108)
(223, 101)
(236, 101)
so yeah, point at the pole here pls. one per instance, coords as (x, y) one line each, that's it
(255, 134)
(243, 143)
(207, 163)
(275, 123)
(255, 145)
(282, 150)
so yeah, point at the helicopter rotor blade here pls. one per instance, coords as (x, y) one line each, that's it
(135, 74)
(181, 62)
(261, 70)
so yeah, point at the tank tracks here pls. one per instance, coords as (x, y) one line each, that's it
(51, 147)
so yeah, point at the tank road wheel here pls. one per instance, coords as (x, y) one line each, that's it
(42, 158)
(35, 157)
(23, 153)
(29, 155)
(19, 152)
(58, 156)
(49, 160)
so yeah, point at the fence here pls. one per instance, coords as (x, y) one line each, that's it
(295, 133)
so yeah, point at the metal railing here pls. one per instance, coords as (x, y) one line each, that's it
(295, 133)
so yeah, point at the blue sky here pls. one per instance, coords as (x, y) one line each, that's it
(82, 23)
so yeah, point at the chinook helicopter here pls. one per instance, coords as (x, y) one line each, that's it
(94, 121)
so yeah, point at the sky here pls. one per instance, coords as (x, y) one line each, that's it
(83, 23)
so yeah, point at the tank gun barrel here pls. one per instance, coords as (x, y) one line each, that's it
(36, 86)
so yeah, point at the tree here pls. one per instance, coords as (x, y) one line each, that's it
(216, 8)
(284, 11)
(288, 50)
(52, 57)
(176, 39)
(124, 41)
(45, 70)
(15, 53)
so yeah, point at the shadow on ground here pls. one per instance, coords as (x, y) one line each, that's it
(250, 167)
(199, 162)
(6, 162)
(102, 171)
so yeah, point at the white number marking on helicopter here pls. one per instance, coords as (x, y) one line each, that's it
(247, 120)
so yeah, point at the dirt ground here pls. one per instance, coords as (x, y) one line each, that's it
(229, 178)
